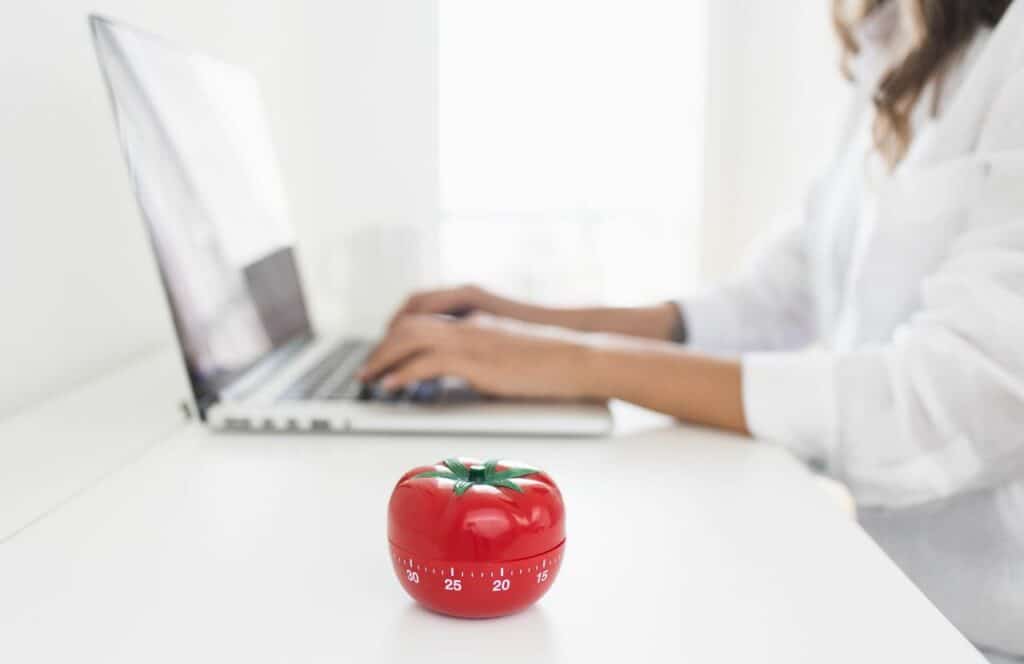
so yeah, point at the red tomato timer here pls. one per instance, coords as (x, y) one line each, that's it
(476, 539)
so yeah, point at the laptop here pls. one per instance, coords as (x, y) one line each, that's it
(197, 143)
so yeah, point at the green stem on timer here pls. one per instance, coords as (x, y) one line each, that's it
(486, 475)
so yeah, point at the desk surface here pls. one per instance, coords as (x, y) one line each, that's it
(218, 548)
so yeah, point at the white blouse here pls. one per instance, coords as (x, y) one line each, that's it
(882, 336)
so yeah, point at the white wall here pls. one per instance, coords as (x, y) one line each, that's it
(776, 100)
(357, 138)
(351, 87)
(570, 170)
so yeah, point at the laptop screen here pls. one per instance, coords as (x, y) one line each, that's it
(202, 164)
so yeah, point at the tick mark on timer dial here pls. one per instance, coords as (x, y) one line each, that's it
(453, 579)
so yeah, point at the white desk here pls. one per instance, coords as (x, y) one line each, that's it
(683, 545)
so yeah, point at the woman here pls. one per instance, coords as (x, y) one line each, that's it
(882, 336)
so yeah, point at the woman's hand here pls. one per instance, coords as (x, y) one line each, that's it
(495, 356)
(514, 359)
(659, 321)
(458, 301)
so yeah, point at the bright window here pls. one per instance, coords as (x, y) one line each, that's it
(571, 136)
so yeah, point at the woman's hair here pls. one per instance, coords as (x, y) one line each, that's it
(940, 31)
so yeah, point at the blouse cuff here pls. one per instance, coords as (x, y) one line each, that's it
(709, 321)
(790, 398)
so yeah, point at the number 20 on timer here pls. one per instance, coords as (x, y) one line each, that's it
(451, 566)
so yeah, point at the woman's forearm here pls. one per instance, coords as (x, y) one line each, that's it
(654, 322)
(666, 378)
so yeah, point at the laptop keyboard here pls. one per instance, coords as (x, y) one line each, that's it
(334, 378)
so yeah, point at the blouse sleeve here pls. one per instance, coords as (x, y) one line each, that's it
(939, 408)
(768, 307)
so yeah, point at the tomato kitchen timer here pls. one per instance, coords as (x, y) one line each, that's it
(476, 539)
